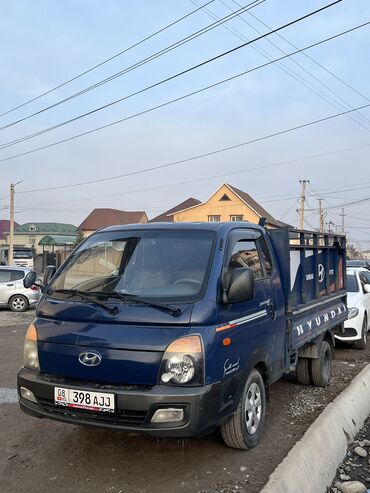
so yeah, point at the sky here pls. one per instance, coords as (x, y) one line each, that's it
(45, 43)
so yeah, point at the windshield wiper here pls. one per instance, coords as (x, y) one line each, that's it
(132, 298)
(85, 295)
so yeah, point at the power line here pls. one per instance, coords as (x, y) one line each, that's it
(301, 80)
(107, 59)
(138, 64)
(167, 79)
(200, 156)
(197, 180)
(311, 58)
(288, 210)
(166, 103)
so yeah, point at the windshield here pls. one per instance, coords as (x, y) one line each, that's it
(159, 264)
(352, 284)
(22, 254)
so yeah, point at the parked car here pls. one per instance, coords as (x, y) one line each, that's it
(12, 291)
(174, 329)
(359, 263)
(358, 300)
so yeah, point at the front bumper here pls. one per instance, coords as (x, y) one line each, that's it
(352, 330)
(135, 406)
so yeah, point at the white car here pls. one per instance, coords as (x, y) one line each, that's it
(358, 301)
(13, 294)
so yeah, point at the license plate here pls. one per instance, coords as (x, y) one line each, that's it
(82, 399)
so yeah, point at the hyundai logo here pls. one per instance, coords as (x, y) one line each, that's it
(90, 358)
(321, 272)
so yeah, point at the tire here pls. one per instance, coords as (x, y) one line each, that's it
(244, 429)
(18, 303)
(321, 367)
(303, 371)
(361, 344)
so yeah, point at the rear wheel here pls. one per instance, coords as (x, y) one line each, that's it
(361, 344)
(18, 303)
(303, 371)
(321, 367)
(244, 429)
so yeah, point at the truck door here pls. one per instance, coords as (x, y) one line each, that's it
(257, 332)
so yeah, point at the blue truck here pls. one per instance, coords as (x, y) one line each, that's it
(175, 329)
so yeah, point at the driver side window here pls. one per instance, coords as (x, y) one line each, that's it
(365, 279)
(245, 254)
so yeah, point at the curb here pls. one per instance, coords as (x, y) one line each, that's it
(311, 464)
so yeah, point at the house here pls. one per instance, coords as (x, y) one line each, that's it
(4, 228)
(168, 215)
(228, 203)
(102, 218)
(31, 234)
(366, 254)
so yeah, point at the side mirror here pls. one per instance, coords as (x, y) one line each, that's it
(367, 288)
(30, 279)
(50, 270)
(241, 286)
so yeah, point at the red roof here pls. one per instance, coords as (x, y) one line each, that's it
(5, 226)
(169, 219)
(102, 218)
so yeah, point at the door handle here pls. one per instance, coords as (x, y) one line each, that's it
(10, 285)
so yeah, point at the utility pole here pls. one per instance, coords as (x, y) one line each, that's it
(303, 200)
(321, 214)
(342, 216)
(330, 224)
(11, 228)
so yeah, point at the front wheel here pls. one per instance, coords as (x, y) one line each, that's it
(244, 429)
(18, 303)
(361, 344)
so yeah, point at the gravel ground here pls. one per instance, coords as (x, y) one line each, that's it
(59, 457)
(9, 318)
(355, 466)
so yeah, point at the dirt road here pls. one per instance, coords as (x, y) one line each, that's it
(43, 456)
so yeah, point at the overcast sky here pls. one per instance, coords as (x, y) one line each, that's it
(44, 43)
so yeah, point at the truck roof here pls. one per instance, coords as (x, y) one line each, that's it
(212, 226)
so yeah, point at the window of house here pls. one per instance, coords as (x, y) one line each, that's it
(245, 254)
(236, 217)
(32, 227)
(214, 219)
(224, 197)
(32, 239)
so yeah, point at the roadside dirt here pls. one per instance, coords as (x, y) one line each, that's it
(356, 464)
(44, 455)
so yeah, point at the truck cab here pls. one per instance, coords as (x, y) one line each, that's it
(171, 329)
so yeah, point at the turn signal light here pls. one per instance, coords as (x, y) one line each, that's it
(190, 344)
(31, 334)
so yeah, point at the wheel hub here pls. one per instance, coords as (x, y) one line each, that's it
(18, 303)
(253, 408)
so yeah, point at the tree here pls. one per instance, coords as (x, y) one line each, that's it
(79, 238)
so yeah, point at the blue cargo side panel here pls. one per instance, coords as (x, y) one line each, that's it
(306, 325)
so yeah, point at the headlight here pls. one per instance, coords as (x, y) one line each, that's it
(182, 362)
(30, 353)
(352, 312)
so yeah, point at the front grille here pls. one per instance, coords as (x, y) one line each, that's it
(97, 386)
(121, 417)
